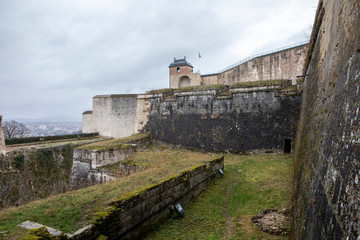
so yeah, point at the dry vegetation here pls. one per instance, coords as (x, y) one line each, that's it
(116, 143)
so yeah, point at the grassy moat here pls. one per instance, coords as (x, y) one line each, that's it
(223, 211)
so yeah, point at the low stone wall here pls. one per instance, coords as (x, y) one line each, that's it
(98, 176)
(86, 162)
(134, 214)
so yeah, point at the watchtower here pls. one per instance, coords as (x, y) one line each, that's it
(181, 74)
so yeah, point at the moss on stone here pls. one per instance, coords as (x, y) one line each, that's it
(163, 90)
(102, 237)
(290, 88)
(200, 88)
(279, 82)
(42, 233)
(100, 217)
(119, 143)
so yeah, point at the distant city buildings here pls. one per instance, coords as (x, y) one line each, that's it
(53, 128)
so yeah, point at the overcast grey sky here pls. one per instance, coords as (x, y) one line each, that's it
(56, 55)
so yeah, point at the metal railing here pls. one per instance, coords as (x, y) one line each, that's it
(260, 55)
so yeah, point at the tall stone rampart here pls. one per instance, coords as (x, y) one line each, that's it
(244, 119)
(326, 202)
(284, 64)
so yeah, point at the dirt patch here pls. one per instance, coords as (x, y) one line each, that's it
(230, 225)
(272, 221)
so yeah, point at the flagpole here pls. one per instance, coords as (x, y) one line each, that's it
(199, 61)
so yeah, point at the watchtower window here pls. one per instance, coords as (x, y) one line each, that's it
(178, 69)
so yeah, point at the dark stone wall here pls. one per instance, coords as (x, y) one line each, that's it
(327, 154)
(246, 121)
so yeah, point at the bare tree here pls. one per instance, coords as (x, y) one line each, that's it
(14, 129)
(307, 31)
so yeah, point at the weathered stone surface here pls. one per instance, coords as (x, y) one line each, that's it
(112, 115)
(34, 174)
(249, 119)
(285, 64)
(32, 225)
(85, 170)
(327, 156)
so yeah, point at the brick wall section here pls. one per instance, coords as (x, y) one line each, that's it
(326, 202)
(130, 217)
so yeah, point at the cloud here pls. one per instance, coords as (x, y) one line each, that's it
(56, 55)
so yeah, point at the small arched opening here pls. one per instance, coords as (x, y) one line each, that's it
(184, 81)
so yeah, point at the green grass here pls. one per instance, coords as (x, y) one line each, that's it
(264, 182)
(200, 88)
(290, 88)
(75, 209)
(115, 143)
(280, 82)
(163, 90)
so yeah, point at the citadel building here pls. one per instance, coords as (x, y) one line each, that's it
(260, 89)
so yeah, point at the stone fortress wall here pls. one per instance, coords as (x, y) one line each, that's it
(326, 202)
(245, 119)
(122, 115)
(2, 138)
(278, 64)
(284, 64)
